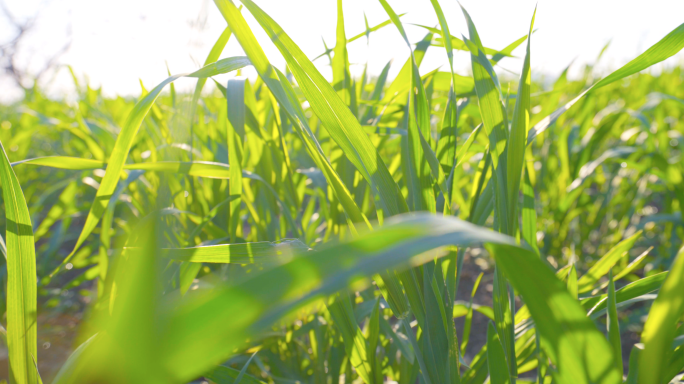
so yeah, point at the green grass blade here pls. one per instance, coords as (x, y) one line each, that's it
(63, 207)
(71, 364)
(529, 213)
(435, 331)
(105, 231)
(377, 93)
(667, 47)
(660, 327)
(402, 82)
(372, 29)
(392, 291)
(676, 364)
(63, 162)
(123, 350)
(242, 253)
(494, 120)
(613, 325)
(366, 33)
(469, 316)
(240, 375)
(213, 56)
(235, 94)
(222, 66)
(503, 318)
(445, 35)
(21, 279)
(572, 282)
(516, 144)
(373, 342)
(597, 304)
(496, 358)
(417, 350)
(449, 132)
(633, 373)
(228, 375)
(340, 62)
(354, 342)
(277, 291)
(460, 156)
(633, 266)
(403, 344)
(601, 268)
(186, 275)
(579, 351)
(460, 45)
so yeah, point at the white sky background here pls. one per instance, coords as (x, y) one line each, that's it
(116, 43)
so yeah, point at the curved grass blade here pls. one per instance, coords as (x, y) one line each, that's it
(596, 304)
(213, 55)
(676, 364)
(63, 162)
(242, 253)
(228, 375)
(667, 47)
(21, 279)
(579, 351)
(239, 377)
(123, 349)
(634, 265)
(69, 367)
(303, 281)
(660, 327)
(601, 268)
(63, 207)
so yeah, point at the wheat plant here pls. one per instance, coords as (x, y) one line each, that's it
(290, 229)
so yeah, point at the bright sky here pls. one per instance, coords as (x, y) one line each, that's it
(116, 43)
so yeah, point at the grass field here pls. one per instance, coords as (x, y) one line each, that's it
(432, 228)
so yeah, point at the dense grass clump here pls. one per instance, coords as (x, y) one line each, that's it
(433, 228)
